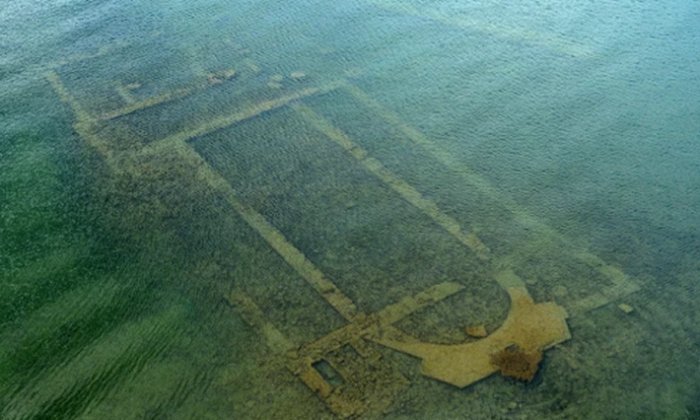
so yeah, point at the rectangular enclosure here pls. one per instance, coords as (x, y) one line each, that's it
(356, 219)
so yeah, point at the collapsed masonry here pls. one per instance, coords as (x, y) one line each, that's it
(366, 383)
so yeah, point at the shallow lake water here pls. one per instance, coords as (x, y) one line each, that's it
(237, 209)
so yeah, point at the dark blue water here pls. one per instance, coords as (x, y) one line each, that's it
(192, 192)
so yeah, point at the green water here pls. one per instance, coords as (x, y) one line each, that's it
(158, 158)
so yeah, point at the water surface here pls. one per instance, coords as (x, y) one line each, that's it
(159, 160)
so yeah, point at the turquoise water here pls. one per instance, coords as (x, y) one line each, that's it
(191, 192)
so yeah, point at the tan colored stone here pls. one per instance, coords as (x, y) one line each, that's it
(477, 331)
(228, 73)
(530, 326)
(297, 75)
(628, 309)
